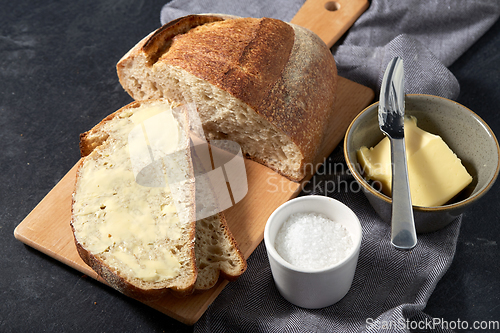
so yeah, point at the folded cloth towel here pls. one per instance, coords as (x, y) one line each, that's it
(429, 35)
(390, 287)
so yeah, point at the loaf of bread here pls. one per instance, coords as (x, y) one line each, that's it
(266, 84)
(134, 219)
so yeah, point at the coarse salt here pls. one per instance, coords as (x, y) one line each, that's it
(312, 241)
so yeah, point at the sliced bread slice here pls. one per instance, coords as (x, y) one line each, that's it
(139, 239)
(217, 253)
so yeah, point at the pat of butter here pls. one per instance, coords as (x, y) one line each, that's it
(435, 173)
(119, 217)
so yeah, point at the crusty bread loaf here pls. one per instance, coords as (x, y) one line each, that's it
(264, 83)
(129, 233)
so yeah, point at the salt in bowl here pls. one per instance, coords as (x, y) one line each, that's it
(313, 287)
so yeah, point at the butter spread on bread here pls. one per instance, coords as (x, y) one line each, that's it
(264, 83)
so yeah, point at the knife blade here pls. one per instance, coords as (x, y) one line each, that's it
(391, 113)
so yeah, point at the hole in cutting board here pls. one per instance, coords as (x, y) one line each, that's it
(332, 6)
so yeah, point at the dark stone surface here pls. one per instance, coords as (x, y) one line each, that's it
(470, 290)
(57, 79)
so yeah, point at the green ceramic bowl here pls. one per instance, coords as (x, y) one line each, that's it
(465, 133)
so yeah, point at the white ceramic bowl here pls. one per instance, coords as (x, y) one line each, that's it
(313, 288)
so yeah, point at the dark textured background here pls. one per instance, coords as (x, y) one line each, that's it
(58, 79)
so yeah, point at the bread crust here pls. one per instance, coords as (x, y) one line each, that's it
(161, 39)
(86, 144)
(284, 72)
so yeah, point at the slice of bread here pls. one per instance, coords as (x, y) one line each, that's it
(140, 239)
(137, 230)
(266, 84)
(217, 252)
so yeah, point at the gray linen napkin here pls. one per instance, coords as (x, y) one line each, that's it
(390, 287)
(429, 35)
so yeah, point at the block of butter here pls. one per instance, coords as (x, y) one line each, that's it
(435, 173)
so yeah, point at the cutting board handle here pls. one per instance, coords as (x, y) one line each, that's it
(329, 19)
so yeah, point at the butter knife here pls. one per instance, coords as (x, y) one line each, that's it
(391, 112)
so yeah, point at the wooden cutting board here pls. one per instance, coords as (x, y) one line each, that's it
(47, 227)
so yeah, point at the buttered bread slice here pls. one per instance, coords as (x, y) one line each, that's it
(137, 237)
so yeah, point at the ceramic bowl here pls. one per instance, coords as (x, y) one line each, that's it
(313, 288)
(468, 136)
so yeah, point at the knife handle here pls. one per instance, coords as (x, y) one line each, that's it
(403, 233)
